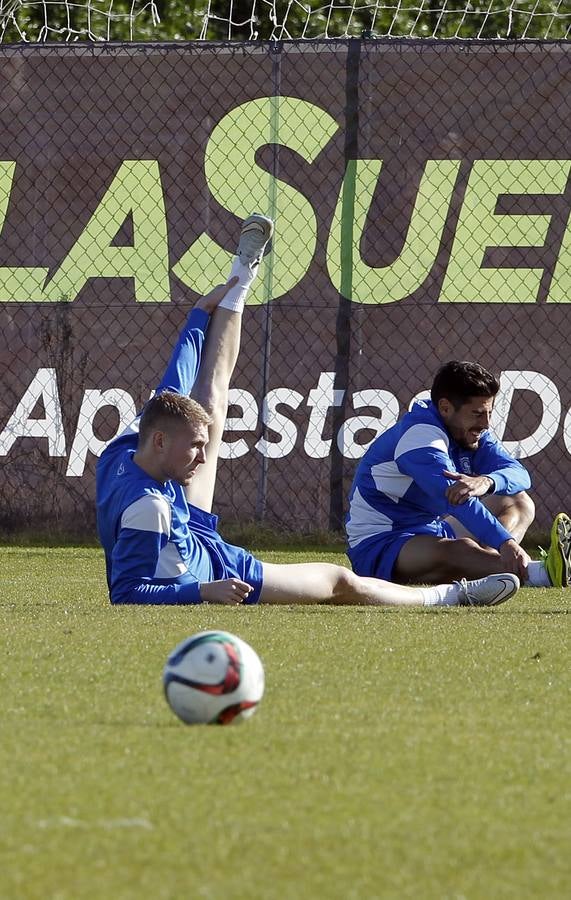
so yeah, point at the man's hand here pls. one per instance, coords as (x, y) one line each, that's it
(514, 559)
(466, 486)
(210, 301)
(229, 592)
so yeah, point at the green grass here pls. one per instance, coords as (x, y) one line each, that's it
(396, 754)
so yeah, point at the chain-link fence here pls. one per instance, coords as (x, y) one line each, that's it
(421, 197)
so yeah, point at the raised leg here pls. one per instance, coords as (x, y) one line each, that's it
(211, 391)
(220, 352)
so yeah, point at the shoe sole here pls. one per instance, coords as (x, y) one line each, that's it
(261, 226)
(264, 226)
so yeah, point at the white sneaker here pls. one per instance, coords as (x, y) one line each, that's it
(488, 591)
(255, 236)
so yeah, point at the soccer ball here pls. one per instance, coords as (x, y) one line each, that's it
(213, 678)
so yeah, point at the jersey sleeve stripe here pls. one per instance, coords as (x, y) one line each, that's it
(148, 513)
(389, 480)
(421, 437)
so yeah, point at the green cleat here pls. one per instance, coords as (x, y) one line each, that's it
(557, 560)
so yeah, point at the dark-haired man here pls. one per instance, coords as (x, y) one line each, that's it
(437, 497)
(155, 486)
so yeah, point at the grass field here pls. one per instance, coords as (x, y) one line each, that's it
(396, 754)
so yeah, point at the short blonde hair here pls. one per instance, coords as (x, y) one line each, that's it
(168, 409)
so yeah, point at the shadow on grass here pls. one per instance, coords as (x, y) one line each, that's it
(250, 534)
(247, 535)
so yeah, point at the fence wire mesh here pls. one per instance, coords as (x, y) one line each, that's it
(421, 197)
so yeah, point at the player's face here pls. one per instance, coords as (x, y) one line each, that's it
(467, 424)
(183, 452)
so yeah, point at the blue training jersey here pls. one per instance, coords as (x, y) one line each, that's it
(151, 553)
(399, 484)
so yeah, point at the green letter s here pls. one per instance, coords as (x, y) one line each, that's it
(241, 186)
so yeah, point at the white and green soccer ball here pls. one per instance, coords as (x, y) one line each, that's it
(212, 678)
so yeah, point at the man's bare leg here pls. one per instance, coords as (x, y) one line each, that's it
(314, 583)
(221, 352)
(211, 391)
(429, 559)
(325, 583)
(515, 512)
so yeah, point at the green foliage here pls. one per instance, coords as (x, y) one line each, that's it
(395, 754)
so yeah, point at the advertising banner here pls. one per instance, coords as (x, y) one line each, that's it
(422, 202)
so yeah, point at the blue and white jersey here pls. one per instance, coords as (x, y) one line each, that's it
(399, 484)
(150, 553)
(158, 548)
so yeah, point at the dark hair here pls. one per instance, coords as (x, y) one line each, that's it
(168, 409)
(458, 381)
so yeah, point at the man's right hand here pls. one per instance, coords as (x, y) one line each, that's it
(210, 301)
(514, 559)
(228, 592)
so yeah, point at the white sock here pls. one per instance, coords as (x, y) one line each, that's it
(440, 595)
(537, 574)
(236, 296)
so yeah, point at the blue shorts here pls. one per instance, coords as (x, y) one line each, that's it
(228, 561)
(377, 555)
